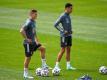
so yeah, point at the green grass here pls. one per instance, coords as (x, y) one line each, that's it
(87, 56)
(89, 38)
(92, 8)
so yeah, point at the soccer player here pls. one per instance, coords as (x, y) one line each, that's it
(31, 42)
(66, 35)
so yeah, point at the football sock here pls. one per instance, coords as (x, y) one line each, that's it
(68, 63)
(25, 71)
(43, 62)
(57, 64)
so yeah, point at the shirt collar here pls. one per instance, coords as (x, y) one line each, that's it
(66, 13)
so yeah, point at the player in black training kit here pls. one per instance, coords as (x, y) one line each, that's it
(31, 42)
(65, 34)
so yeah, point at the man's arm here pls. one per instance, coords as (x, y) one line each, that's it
(22, 31)
(36, 39)
(57, 26)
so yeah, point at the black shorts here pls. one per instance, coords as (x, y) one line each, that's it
(66, 41)
(30, 48)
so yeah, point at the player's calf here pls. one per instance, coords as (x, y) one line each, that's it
(59, 58)
(42, 50)
(60, 54)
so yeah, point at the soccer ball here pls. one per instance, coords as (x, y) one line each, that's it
(38, 71)
(103, 70)
(56, 72)
(45, 72)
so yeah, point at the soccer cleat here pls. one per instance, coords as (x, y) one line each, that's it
(25, 75)
(70, 68)
(57, 67)
(29, 77)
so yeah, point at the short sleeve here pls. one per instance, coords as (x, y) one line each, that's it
(26, 24)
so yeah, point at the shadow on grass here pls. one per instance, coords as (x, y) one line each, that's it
(51, 77)
(86, 70)
(83, 70)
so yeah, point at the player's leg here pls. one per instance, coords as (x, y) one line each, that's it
(69, 66)
(68, 51)
(68, 57)
(28, 54)
(26, 64)
(42, 50)
(60, 54)
(42, 53)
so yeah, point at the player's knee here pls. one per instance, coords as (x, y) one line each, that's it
(63, 50)
(42, 48)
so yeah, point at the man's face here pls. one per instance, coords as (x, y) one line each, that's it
(69, 9)
(33, 15)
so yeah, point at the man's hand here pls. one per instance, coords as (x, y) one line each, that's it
(65, 32)
(29, 40)
(37, 42)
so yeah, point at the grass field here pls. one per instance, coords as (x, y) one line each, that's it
(89, 50)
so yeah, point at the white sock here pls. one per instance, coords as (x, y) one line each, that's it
(43, 62)
(57, 64)
(68, 63)
(25, 71)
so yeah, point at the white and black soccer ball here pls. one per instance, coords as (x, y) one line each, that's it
(103, 70)
(38, 71)
(56, 72)
(45, 72)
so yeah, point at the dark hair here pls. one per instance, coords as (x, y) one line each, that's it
(33, 11)
(68, 5)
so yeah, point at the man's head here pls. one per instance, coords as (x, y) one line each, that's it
(33, 14)
(68, 8)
